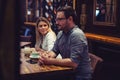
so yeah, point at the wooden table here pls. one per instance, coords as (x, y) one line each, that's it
(35, 71)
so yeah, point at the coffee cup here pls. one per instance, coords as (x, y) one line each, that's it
(27, 51)
(34, 56)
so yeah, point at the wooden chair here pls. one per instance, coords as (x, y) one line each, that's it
(25, 41)
(26, 38)
(96, 64)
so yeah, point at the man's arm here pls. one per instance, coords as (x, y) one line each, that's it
(62, 62)
(51, 54)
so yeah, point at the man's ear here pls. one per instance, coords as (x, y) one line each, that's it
(71, 18)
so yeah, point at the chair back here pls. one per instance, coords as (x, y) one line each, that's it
(96, 64)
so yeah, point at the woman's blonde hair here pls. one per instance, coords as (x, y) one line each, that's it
(39, 36)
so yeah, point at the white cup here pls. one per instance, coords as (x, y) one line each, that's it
(27, 51)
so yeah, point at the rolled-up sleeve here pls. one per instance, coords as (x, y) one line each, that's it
(77, 47)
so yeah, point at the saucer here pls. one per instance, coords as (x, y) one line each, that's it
(34, 55)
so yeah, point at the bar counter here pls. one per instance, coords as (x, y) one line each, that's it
(103, 38)
(34, 71)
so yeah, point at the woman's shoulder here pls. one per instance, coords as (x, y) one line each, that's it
(51, 33)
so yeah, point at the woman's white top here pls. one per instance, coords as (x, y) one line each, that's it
(48, 41)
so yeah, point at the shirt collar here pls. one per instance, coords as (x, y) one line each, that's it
(70, 30)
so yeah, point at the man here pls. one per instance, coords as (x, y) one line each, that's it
(71, 43)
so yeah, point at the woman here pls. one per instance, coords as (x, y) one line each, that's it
(45, 37)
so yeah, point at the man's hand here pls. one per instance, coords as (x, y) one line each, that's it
(44, 59)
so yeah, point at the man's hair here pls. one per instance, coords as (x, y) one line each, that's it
(68, 11)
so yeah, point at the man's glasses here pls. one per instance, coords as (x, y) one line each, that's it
(59, 19)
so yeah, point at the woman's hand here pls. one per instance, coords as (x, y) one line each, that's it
(37, 48)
